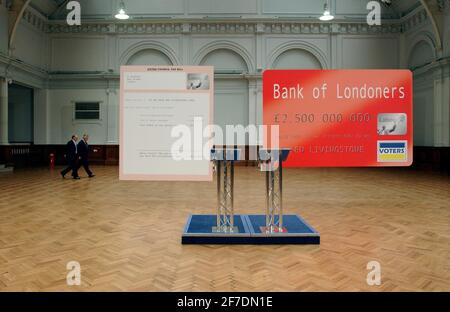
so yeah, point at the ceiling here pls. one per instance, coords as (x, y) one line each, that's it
(105, 9)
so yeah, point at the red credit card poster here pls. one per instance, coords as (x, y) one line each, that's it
(341, 118)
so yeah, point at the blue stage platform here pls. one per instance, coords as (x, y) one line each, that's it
(199, 230)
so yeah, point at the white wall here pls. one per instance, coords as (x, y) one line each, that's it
(90, 58)
(30, 45)
(62, 123)
(371, 52)
(431, 85)
(78, 53)
(446, 35)
(423, 111)
(235, 98)
(3, 28)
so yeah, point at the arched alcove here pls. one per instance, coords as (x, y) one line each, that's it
(296, 59)
(421, 54)
(149, 57)
(225, 60)
(231, 89)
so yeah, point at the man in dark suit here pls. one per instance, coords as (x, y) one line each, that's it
(72, 158)
(83, 152)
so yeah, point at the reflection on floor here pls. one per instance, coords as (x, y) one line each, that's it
(126, 235)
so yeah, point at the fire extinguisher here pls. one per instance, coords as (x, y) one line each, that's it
(52, 161)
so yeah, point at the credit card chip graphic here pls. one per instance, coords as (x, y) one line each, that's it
(391, 124)
(392, 151)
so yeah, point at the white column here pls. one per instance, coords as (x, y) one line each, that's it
(252, 102)
(41, 117)
(334, 42)
(254, 106)
(259, 101)
(185, 53)
(403, 55)
(442, 111)
(260, 57)
(3, 112)
(112, 59)
(255, 97)
(112, 103)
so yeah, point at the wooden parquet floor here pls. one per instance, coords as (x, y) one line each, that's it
(126, 235)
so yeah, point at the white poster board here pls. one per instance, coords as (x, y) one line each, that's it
(154, 100)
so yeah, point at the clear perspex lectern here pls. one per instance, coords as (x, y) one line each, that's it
(271, 161)
(226, 227)
(224, 159)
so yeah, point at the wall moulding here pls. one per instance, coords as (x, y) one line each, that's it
(412, 21)
(217, 26)
(284, 27)
(22, 72)
(298, 45)
(183, 28)
(36, 20)
(152, 45)
(228, 45)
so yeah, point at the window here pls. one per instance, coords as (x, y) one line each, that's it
(87, 110)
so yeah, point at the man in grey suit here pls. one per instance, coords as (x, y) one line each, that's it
(83, 153)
